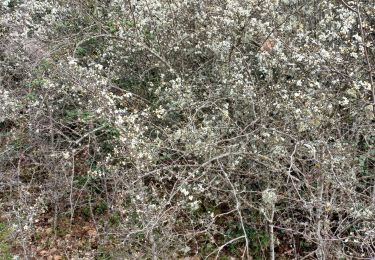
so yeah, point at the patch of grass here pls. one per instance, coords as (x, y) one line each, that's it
(104, 254)
(62, 231)
(4, 245)
(114, 219)
(72, 115)
(259, 241)
(100, 208)
(206, 248)
(85, 212)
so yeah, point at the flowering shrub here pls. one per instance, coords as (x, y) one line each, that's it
(170, 129)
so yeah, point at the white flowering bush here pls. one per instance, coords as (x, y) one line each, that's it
(200, 129)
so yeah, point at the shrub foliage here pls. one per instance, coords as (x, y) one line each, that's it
(170, 129)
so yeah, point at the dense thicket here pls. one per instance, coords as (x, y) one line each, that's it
(203, 129)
